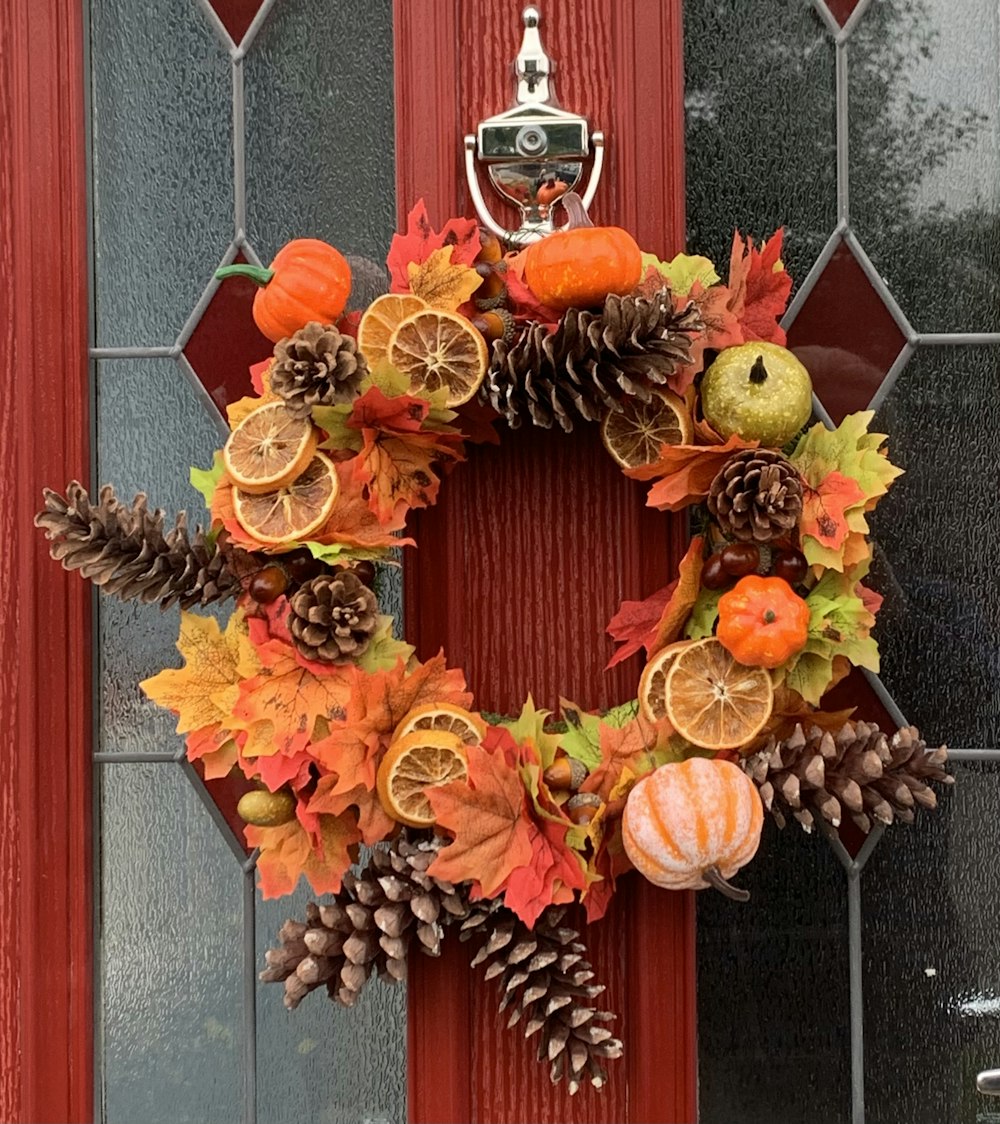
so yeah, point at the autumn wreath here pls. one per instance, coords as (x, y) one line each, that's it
(492, 827)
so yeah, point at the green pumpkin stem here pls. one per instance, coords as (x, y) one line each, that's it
(257, 273)
(713, 877)
(758, 372)
(575, 211)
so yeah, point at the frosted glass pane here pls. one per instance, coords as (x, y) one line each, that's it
(761, 127)
(925, 156)
(319, 88)
(939, 533)
(773, 1020)
(931, 907)
(171, 934)
(152, 429)
(162, 165)
(322, 1061)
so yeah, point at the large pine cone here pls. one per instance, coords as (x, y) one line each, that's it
(756, 496)
(815, 773)
(333, 617)
(126, 551)
(316, 366)
(591, 361)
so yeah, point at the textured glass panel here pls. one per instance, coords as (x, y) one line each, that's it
(322, 1061)
(761, 127)
(931, 949)
(925, 157)
(162, 165)
(319, 82)
(153, 428)
(172, 925)
(773, 1023)
(939, 533)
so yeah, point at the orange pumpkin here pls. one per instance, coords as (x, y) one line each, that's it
(762, 621)
(693, 824)
(579, 265)
(308, 280)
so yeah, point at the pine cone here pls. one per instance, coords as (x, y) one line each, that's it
(333, 617)
(125, 550)
(815, 773)
(368, 927)
(545, 978)
(316, 366)
(756, 496)
(591, 361)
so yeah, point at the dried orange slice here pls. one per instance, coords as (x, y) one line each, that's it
(269, 448)
(413, 764)
(382, 317)
(470, 729)
(635, 434)
(713, 701)
(437, 349)
(292, 513)
(652, 685)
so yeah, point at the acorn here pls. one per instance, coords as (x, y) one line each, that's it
(583, 807)
(266, 809)
(496, 324)
(565, 774)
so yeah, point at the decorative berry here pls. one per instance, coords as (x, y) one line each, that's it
(790, 565)
(268, 585)
(302, 568)
(713, 573)
(266, 809)
(740, 559)
(365, 573)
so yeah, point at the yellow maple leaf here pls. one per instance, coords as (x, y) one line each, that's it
(244, 407)
(440, 283)
(204, 691)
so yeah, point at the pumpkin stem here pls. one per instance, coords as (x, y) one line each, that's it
(575, 211)
(758, 372)
(257, 273)
(714, 878)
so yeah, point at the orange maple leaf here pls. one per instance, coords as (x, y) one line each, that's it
(373, 821)
(684, 473)
(552, 876)
(639, 745)
(215, 748)
(489, 818)
(421, 239)
(287, 853)
(759, 286)
(824, 507)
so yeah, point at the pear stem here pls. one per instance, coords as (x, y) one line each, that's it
(714, 878)
(758, 372)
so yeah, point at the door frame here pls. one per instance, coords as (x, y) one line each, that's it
(46, 942)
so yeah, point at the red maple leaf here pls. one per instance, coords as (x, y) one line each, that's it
(759, 287)
(684, 473)
(551, 877)
(823, 508)
(522, 301)
(421, 240)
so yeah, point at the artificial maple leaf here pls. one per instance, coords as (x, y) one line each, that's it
(638, 746)
(759, 287)
(721, 329)
(243, 407)
(203, 692)
(682, 272)
(824, 509)
(487, 815)
(215, 748)
(421, 240)
(287, 853)
(552, 875)
(682, 598)
(353, 523)
(260, 376)
(684, 473)
(374, 823)
(633, 626)
(441, 283)
(290, 697)
(524, 305)
(275, 770)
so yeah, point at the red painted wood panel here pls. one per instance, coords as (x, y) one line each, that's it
(534, 544)
(45, 866)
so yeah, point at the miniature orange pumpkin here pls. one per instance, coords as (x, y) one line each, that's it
(691, 825)
(578, 266)
(762, 621)
(308, 280)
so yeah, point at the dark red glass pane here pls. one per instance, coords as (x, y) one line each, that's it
(226, 342)
(845, 336)
(841, 10)
(225, 793)
(236, 15)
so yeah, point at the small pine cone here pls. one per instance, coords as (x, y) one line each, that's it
(591, 361)
(316, 366)
(875, 779)
(126, 551)
(333, 617)
(756, 496)
(546, 982)
(369, 926)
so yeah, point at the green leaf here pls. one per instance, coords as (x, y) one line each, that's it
(335, 552)
(683, 272)
(849, 449)
(384, 651)
(206, 480)
(622, 714)
(530, 726)
(582, 738)
(334, 420)
(705, 613)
